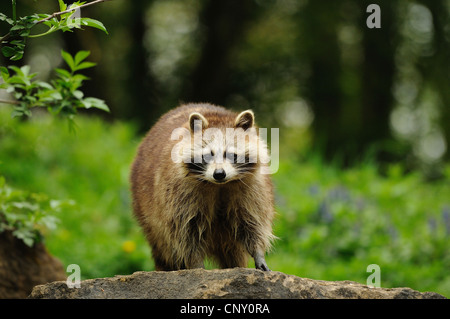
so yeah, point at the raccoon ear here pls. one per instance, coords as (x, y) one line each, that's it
(194, 119)
(245, 120)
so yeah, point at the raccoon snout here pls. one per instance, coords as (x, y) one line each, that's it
(219, 174)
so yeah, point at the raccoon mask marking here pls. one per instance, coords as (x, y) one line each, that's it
(222, 154)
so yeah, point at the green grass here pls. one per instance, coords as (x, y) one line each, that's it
(90, 167)
(332, 223)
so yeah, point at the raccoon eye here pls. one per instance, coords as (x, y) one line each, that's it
(208, 158)
(232, 157)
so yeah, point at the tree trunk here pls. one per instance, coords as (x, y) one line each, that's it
(348, 123)
(436, 68)
(225, 23)
(320, 26)
(23, 267)
(377, 78)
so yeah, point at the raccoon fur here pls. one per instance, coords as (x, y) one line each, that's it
(199, 193)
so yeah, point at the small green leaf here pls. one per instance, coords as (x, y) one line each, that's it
(22, 75)
(85, 65)
(18, 56)
(17, 70)
(29, 241)
(64, 74)
(49, 96)
(62, 5)
(79, 78)
(4, 73)
(78, 94)
(18, 95)
(94, 24)
(44, 85)
(3, 17)
(26, 71)
(25, 33)
(17, 113)
(8, 52)
(80, 56)
(17, 27)
(69, 60)
(26, 235)
(94, 102)
(18, 43)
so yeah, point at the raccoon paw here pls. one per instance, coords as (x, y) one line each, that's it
(260, 264)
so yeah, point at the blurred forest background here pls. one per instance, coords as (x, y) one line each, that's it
(364, 118)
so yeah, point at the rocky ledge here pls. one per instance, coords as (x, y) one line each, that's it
(233, 283)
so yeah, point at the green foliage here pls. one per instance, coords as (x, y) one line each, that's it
(99, 232)
(65, 22)
(333, 223)
(27, 214)
(60, 96)
(13, 43)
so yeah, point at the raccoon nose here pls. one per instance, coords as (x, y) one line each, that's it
(219, 174)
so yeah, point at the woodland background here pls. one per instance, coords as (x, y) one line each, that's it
(364, 118)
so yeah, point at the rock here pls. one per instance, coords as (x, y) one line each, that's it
(223, 283)
(23, 267)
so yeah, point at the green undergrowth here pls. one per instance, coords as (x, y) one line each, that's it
(332, 223)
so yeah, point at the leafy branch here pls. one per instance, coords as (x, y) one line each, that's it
(13, 43)
(24, 213)
(71, 9)
(60, 96)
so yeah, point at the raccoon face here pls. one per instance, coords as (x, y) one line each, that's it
(223, 155)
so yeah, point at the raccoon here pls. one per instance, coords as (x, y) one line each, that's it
(199, 191)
